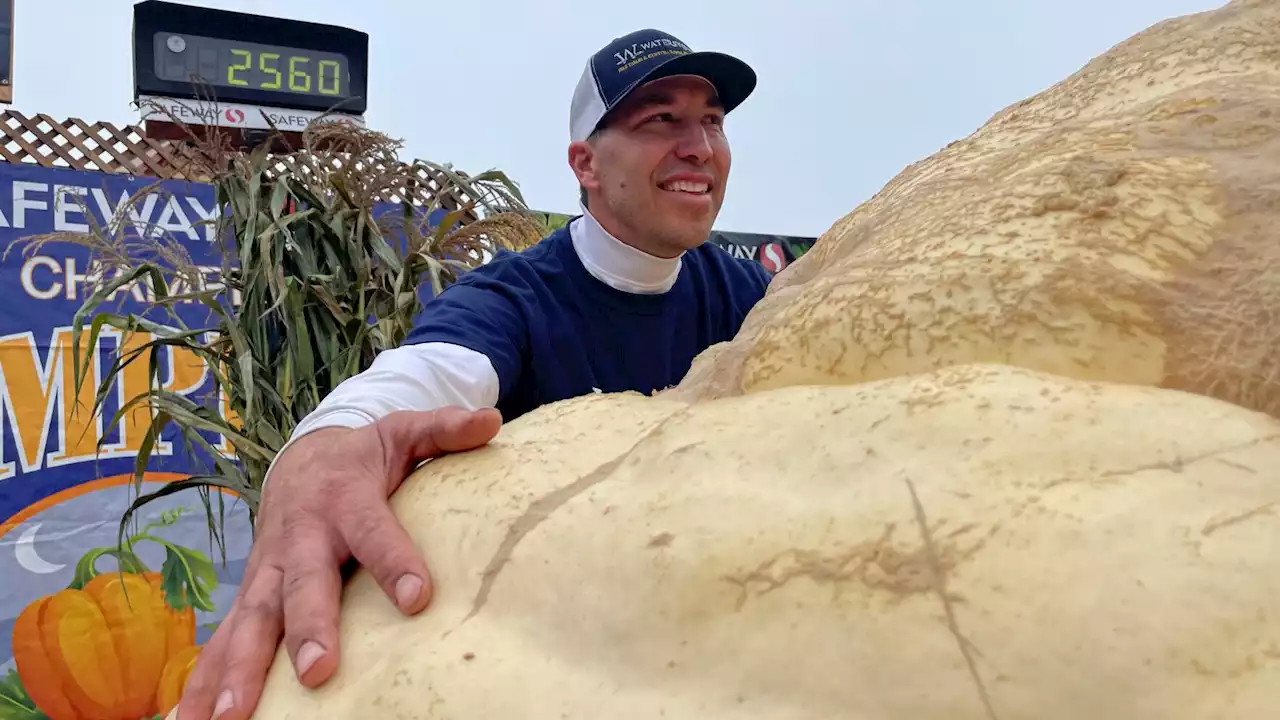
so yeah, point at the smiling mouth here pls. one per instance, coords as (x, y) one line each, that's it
(685, 186)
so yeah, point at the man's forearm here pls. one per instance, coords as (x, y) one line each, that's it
(411, 377)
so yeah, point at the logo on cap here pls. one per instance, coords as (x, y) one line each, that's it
(637, 53)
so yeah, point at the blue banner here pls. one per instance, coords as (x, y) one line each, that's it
(61, 499)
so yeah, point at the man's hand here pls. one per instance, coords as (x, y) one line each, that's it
(326, 502)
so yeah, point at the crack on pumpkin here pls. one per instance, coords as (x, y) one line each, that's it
(856, 563)
(875, 564)
(1236, 465)
(1215, 525)
(542, 508)
(940, 587)
(1177, 464)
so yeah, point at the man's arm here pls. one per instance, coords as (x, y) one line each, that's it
(327, 499)
(424, 376)
(465, 351)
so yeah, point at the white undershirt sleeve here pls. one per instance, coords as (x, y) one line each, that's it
(409, 377)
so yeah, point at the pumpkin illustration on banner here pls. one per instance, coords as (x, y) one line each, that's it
(116, 644)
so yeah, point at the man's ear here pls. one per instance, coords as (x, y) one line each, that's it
(582, 162)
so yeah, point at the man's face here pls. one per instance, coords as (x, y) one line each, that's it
(656, 174)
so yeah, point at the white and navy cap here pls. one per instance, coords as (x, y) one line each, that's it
(643, 56)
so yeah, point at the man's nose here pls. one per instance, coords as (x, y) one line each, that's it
(695, 144)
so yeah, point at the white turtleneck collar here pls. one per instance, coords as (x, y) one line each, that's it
(616, 263)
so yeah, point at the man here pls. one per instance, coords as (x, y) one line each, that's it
(623, 298)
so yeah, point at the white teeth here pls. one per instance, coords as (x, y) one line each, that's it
(686, 186)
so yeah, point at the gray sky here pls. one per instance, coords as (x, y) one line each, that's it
(850, 92)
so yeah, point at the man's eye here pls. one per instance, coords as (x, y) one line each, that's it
(663, 117)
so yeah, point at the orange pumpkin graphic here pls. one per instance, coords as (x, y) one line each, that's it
(111, 651)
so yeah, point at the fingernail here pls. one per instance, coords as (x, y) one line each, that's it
(407, 589)
(308, 654)
(225, 702)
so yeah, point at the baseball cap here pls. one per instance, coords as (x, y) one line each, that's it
(634, 59)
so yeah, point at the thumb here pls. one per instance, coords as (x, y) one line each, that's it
(411, 437)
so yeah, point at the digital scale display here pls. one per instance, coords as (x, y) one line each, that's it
(232, 64)
(187, 51)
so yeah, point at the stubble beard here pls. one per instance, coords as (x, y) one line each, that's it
(663, 234)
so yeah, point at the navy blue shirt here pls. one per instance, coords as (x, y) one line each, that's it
(554, 331)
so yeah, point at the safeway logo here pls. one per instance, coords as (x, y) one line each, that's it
(772, 257)
(235, 116)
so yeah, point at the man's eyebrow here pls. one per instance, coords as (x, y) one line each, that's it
(648, 98)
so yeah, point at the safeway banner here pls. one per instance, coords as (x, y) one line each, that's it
(774, 252)
(77, 635)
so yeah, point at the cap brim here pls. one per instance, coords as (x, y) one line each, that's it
(734, 80)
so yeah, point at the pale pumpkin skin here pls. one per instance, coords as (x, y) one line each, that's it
(1003, 445)
(1104, 551)
(1119, 226)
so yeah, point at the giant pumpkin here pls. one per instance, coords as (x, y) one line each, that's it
(1003, 445)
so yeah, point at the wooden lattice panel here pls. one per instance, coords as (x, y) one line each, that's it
(104, 147)
(78, 145)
